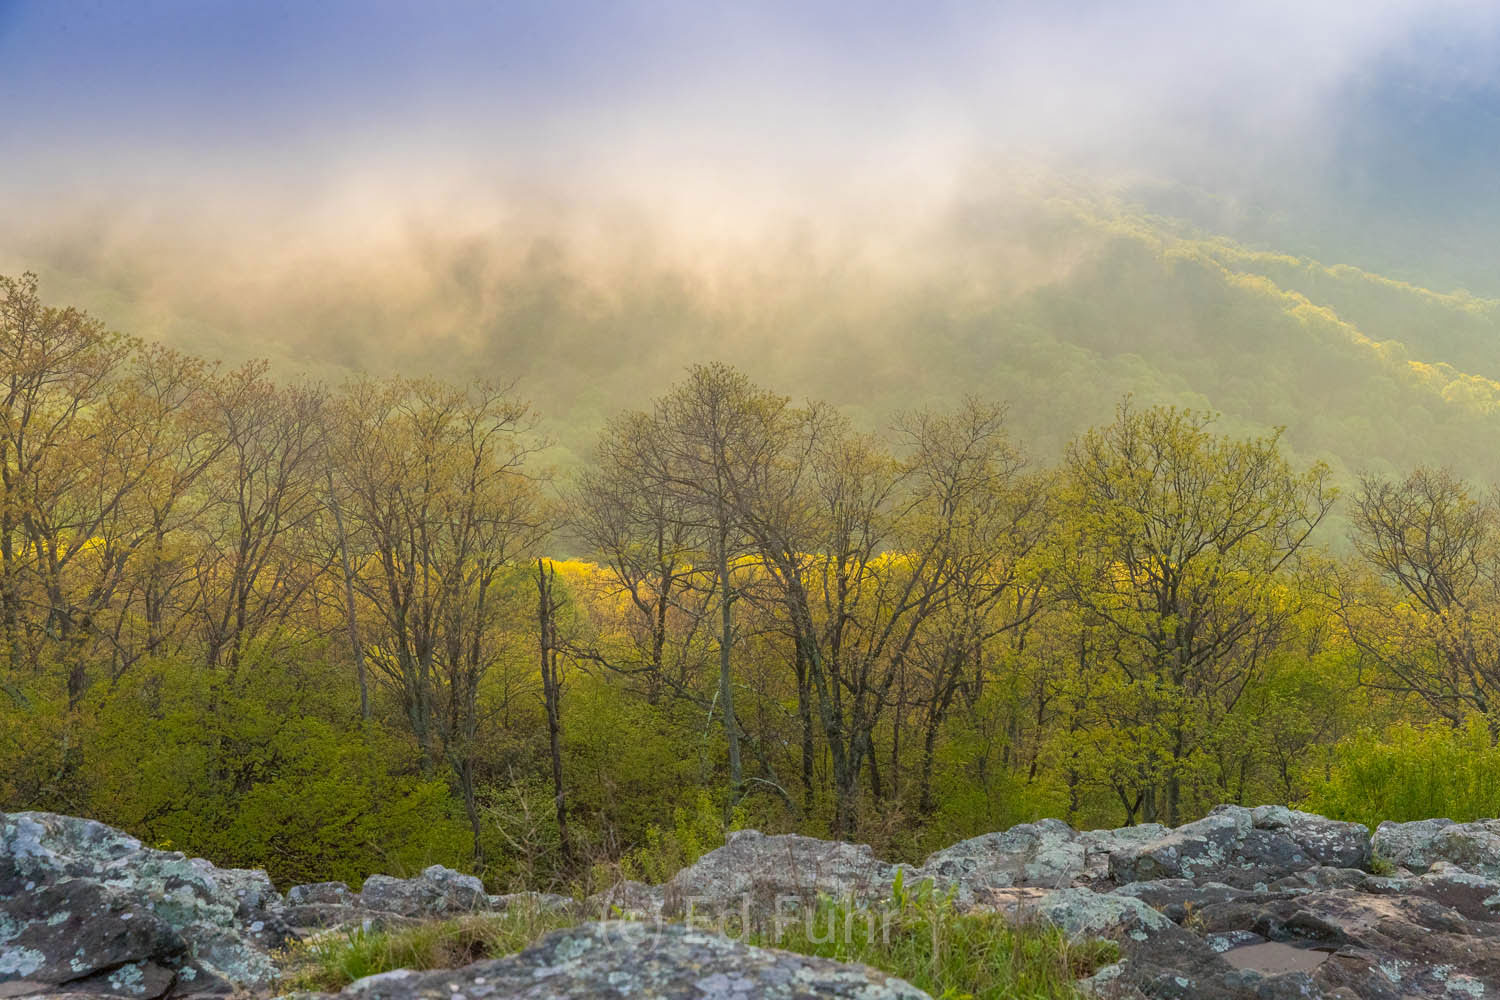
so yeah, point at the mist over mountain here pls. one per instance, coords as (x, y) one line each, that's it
(1284, 215)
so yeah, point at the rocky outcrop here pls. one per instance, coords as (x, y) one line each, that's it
(86, 909)
(1262, 903)
(617, 959)
(1244, 847)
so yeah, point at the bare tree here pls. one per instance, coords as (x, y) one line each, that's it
(1437, 543)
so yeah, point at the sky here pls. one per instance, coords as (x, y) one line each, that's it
(331, 124)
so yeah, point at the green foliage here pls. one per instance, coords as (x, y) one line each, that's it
(921, 937)
(1414, 772)
(270, 771)
(694, 832)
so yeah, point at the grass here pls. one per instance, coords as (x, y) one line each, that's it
(919, 935)
(331, 961)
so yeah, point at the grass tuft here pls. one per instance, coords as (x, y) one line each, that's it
(334, 960)
(921, 937)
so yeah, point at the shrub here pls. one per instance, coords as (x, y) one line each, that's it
(1413, 772)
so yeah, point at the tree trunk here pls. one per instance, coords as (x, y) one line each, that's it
(354, 644)
(726, 687)
(552, 696)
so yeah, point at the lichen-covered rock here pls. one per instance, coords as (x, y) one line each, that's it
(1099, 845)
(1046, 853)
(1474, 847)
(619, 959)
(438, 891)
(1244, 847)
(321, 894)
(1178, 898)
(1417, 846)
(1396, 947)
(1409, 845)
(535, 902)
(752, 871)
(86, 908)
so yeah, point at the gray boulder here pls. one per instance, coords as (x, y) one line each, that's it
(1242, 846)
(1409, 845)
(437, 892)
(752, 871)
(1474, 847)
(321, 894)
(617, 959)
(1046, 854)
(85, 908)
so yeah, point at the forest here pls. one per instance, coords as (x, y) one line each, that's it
(331, 630)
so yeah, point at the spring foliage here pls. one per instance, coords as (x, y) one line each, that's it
(300, 628)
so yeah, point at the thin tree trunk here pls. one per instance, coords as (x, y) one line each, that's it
(726, 687)
(354, 644)
(551, 693)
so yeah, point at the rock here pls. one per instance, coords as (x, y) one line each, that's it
(1244, 847)
(616, 959)
(1474, 847)
(1178, 898)
(1046, 853)
(1085, 913)
(536, 902)
(1099, 845)
(1380, 947)
(753, 871)
(437, 892)
(1408, 845)
(85, 908)
(320, 894)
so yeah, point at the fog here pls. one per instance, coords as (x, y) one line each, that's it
(564, 194)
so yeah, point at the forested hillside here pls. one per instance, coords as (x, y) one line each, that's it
(327, 629)
(1055, 298)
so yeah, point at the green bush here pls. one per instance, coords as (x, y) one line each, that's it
(272, 770)
(693, 833)
(1413, 772)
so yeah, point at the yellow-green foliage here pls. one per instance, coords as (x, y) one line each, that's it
(1414, 772)
(270, 770)
(695, 830)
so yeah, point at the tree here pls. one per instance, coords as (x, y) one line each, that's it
(693, 448)
(650, 542)
(1183, 541)
(441, 506)
(263, 502)
(1436, 543)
